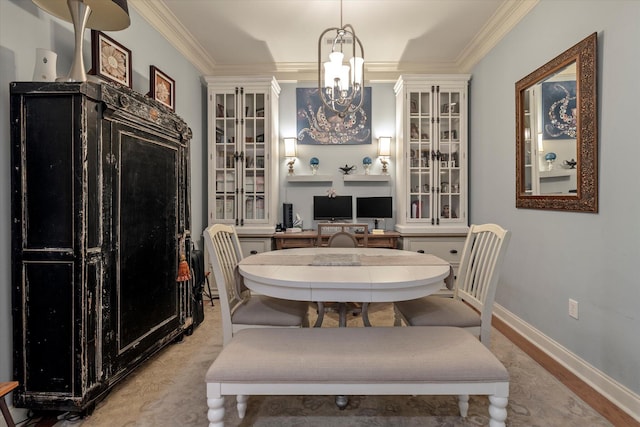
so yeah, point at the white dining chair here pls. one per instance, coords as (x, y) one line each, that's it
(474, 289)
(239, 308)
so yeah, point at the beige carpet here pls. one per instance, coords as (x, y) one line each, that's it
(169, 391)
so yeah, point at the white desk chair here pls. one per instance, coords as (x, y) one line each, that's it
(475, 286)
(240, 309)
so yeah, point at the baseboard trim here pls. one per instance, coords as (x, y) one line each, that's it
(622, 400)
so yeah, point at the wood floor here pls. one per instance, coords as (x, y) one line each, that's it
(601, 404)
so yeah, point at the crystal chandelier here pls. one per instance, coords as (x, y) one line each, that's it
(341, 86)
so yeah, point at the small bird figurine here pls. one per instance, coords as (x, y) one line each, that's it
(346, 169)
(571, 163)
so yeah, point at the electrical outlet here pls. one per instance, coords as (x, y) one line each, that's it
(573, 308)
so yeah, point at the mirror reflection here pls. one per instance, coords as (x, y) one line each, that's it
(550, 118)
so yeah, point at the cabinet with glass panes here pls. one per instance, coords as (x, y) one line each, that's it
(432, 153)
(243, 137)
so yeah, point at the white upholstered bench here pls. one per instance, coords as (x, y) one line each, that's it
(357, 361)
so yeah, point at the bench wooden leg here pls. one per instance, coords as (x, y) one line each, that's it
(241, 402)
(463, 404)
(216, 411)
(497, 411)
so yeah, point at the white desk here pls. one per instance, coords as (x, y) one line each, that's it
(376, 275)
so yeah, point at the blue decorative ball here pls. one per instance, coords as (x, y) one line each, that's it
(550, 156)
(314, 161)
(366, 160)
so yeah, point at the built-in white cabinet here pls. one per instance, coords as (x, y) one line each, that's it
(242, 154)
(446, 246)
(431, 153)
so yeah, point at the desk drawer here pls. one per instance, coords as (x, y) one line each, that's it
(450, 250)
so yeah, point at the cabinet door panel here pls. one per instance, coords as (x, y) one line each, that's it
(48, 310)
(147, 213)
(48, 183)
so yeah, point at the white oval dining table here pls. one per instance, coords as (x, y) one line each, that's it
(344, 274)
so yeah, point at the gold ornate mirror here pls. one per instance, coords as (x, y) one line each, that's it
(557, 133)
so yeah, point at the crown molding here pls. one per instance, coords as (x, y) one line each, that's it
(499, 25)
(156, 13)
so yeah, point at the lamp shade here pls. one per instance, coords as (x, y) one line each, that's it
(384, 146)
(106, 15)
(290, 147)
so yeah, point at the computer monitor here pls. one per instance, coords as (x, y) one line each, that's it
(336, 208)
(374, 207)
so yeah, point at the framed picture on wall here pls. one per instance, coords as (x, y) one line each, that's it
(162, 87)
(559, 114)
(319, 125)
(109, 59)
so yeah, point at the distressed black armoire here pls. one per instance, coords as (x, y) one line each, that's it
(100, 217)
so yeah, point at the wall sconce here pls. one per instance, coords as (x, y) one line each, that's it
(290, 152)
(384, 151)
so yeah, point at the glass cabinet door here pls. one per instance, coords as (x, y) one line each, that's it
(225, 156)
(449, 155)
(254, 156)
(420, 155)
(436, 171)
(432, 153)
(242, 143)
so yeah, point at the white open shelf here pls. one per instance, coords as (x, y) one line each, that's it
(367, 178)
(309, 178)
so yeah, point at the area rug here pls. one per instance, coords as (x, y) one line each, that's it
(169, 391)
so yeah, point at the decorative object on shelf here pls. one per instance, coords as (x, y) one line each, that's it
(45, 69)
(366, 162)
(346, 169)
(162, 88)
(571, 164)
(290, 152)
(550, 158)
(340, 86)
(109, 59)
(314, 162)
(384, 151)
(106, 15)
(331, 193)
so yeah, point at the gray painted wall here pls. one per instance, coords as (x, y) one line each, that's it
(23, 28)
(554, 256)
(331, 157)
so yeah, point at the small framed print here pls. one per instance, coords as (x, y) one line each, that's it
(109, 59)
(163, 88)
